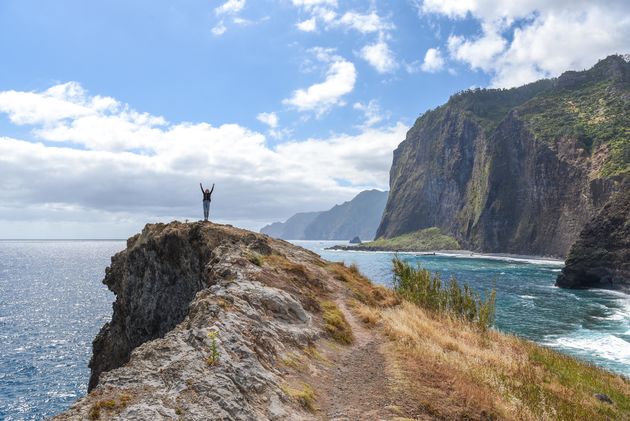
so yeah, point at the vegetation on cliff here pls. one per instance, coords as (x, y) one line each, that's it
(518, 170)
(428, 239)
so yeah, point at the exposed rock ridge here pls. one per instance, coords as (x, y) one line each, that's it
(600, 258)
(175, 284)
(515, 171)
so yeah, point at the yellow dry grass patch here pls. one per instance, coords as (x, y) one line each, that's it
(336, 324)
(304, 395)
(368, 315)
(520, 379)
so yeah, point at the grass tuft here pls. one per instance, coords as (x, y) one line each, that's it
(305, 395)
(335, 323)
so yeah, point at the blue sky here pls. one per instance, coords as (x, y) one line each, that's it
(111, 112)
(165, 60)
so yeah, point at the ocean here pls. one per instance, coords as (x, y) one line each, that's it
(52, 304)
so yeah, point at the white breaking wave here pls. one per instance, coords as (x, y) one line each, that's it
(588, 342)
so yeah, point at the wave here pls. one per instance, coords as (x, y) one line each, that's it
(504, 257)
(586, 342)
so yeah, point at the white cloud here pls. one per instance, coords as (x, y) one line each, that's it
(308, 25)
(230, 7)
(380, 57)
(527, 40)
(314, 3)
(433, 61)
(320, 97)
(372, 113)
(365, 23)
(219, 29)
(132, 167)
(270, 119)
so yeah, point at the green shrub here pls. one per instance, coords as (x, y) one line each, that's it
(420, 287)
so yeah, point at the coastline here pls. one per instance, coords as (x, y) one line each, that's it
(468, 254)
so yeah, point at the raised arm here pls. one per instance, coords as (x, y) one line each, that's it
(201, 187)
(212, 189)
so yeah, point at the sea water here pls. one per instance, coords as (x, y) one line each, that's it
(53, 303)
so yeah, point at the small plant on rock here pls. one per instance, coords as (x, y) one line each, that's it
(213, 359)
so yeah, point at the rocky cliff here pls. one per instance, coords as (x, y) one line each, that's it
(206, 322)
(519, 170)
(358, 217)
(600, 258)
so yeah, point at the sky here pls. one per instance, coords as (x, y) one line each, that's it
(113, 112)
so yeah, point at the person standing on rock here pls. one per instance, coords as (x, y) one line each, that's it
(207, 197)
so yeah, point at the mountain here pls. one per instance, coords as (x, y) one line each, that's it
(293, 228)
(600, 257)
(212, 322)
(518, 170)
(357, 217)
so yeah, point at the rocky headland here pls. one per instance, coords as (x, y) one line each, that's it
(215, 322)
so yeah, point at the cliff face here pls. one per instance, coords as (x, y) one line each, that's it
(519, 170)
(600, 258)
(357, 217)
(177, 283)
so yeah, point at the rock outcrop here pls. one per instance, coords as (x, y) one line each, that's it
(357, 217)
(515, 171)
(600, 258)
(204, 314)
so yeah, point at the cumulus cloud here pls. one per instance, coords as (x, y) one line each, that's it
(526, 40)
(433, 61)
(270, 119)
(308, 25)
(380, 56)
(230, 7)
(95, 157)
(372, 113)
(320, 97)
(219, 29)
(364, 23)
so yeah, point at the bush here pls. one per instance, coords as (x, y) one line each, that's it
(418, 286)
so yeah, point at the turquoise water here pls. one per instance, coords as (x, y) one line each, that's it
(52, 304)
(593, 325)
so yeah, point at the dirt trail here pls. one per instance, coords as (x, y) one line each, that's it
(357, 384)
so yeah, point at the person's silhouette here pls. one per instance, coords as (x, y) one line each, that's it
(207, 197)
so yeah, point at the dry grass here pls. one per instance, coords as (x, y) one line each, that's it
(304, 395)
(516, 379)
(362, 288)
(368, 315)
(277, 261)
(109, 405)
(335, 323)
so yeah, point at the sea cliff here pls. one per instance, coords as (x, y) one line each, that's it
(517, 170)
